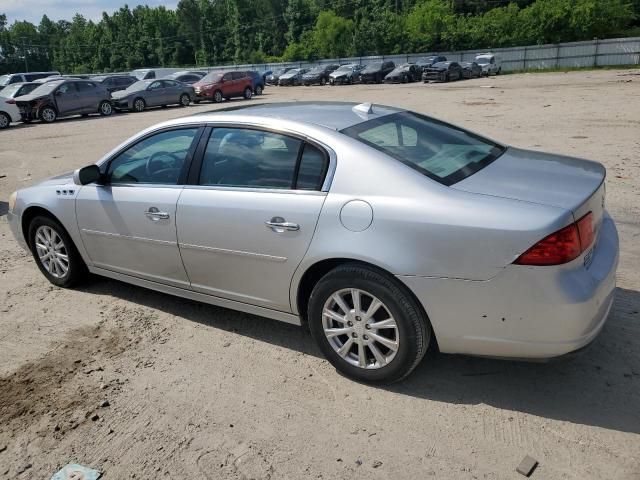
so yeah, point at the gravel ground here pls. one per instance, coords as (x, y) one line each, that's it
(196, 391)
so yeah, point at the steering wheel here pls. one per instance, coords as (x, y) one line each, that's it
(161, 157)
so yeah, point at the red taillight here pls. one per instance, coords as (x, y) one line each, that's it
(11, 101)
(562, 246)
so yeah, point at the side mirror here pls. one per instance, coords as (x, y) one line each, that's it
(88, 174)
(59, 92)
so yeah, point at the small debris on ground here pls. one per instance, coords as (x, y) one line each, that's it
(73, 471)
(377, 464)
(527, 466)
(104, 403)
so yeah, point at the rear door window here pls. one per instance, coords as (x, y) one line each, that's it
(85, 87)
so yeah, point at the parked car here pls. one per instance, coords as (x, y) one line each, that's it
(346, 74)
(12, 78)
(490, 63)
(18, 89)
(292, 77)
(153, 93)
(273, 78)
(187, 77)
(64, 98)
(219, 86)
(8, 112)
(153, 73)
(375, 72)
(442, 72)
(471, 70)
(425, 62)
(265, 74)
(282, 215)
(257, 82)
(115, 83)
(319, 75)
(405, 73)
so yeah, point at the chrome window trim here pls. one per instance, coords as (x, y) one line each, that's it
(315, 193)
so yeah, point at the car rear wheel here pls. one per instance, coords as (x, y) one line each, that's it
(185, 100)
(48, 115)
(5, 120)
(54, 252)
(323, 81)
(258, 89)
(217, 97)
(367, 324)
(247, 93)
(139, 105)
(105, 109)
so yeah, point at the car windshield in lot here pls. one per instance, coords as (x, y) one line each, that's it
(212, 77)
(4, 79)
(436, 149)
(345, 68)
(483, 60)
(137, 86)
(12, 90)
(372, 67)
(46, 88)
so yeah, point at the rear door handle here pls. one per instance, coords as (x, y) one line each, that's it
(279, 225)
(154, 214)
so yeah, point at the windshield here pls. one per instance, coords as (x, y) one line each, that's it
(137, 86)
(436, 149)
(46, 88)
(316, 70)
(140, 74)
(373, 67)
(345, 68)
(483, 60)
(10, 91)
(4, 79)
(213, 77)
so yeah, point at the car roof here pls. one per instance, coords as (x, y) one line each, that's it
(334, 115)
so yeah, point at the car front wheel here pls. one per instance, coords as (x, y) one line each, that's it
(139, 105)
(54, 252)
(217, 97)
(185, 100)
(48, 115)
(367, 324)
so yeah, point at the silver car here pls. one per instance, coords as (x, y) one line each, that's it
(385, 231)
(153, 93)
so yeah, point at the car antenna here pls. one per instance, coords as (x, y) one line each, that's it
(366, 108)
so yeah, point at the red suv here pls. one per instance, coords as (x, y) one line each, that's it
(218, 86)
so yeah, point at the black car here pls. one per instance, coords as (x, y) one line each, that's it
(257, 82)
(274, 77)
(113, 83)
(345, 75)
(63, 98)
(442, 72)
(425, 62)
(319, 74)
(375, 72)
(471, 70)
(187, 77)
(405, 73)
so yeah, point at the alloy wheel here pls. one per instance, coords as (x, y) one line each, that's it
(52, 252)
(4, 120)
(138, 105)
(360, 328)
(218, 96)
(48, 115)
(106, 108)
(185, 100)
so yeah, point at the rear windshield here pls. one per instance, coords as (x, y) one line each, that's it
(4, 80)
(436, 149)
(213, 77)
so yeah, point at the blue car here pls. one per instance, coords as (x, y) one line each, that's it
(257, 82)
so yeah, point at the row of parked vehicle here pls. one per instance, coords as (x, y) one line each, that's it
(47, 96)
(427, 69)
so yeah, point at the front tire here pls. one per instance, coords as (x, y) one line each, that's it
(185, 100)
(139, 105)
(48, 115)
(54, 253)
(217, 97)
(367, 324)
(105, 109)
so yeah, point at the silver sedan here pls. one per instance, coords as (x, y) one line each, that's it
(387, 232)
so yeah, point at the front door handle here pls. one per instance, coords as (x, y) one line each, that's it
(154, 214)
(279, 225)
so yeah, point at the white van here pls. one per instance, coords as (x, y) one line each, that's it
(151, 73)
(491, 64)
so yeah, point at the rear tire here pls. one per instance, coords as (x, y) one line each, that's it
(5, 120)
(54, 253)
(409, 333)
(48, 115)
(258, 89)
(247, 94)
(323, 81)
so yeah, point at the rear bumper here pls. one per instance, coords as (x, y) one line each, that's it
(525, 312)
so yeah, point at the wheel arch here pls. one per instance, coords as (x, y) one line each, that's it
(319, 269)
(32, 212)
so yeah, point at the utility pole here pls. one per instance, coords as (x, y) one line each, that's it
(24, 52)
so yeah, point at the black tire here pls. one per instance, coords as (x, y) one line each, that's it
(258, 89)
(247, 94)
(413, 328)
(48, 114)
(105, 108)
(185, 100)
(139, 105)
(217, 96)
(323, 81)
(5, 120)
(77, 270)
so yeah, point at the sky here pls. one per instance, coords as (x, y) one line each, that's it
(32, 10)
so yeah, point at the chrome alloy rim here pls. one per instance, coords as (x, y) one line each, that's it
(139, 105)
(360, 328)
(48, 115)
(218, 96)
(105, 108)
(185, 100)
(52, 251)
(4, 121)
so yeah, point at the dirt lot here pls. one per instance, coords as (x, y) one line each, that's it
(196, 391)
